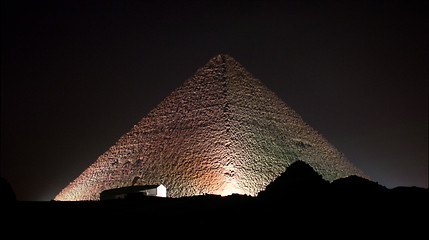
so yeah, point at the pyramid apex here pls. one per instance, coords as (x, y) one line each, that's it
(223, 55)
(222, 58)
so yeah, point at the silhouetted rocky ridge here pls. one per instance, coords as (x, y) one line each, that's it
(301, 179)
(299, 193)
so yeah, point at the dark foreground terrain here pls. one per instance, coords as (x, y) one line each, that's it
(299, 197)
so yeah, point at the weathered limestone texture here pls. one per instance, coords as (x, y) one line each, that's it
(221, 132)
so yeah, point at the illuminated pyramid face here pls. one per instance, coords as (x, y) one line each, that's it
(221, 132)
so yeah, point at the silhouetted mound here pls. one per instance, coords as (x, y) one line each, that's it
(299, 177)
(410, 190)
(6, 192)
(298, 195)
(414, 195)
(356, 184)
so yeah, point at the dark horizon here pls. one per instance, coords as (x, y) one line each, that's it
(76, 76)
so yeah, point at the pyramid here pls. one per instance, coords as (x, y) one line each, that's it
(221, 132)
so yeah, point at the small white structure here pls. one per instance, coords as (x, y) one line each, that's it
(161, 191)
(134, 192)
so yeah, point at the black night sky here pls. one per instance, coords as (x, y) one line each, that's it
(76, 75)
